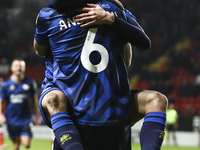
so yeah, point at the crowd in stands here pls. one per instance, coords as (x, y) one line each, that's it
(17, 26)
(171, 66)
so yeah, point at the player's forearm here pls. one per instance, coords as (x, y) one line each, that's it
(1, 106)
(110, 18)
(2, 117)
(34, 102)
(37, 114)
(132, 33)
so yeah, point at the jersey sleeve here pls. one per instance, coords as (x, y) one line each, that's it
(131, 31)
(132, 20)
(42, 28)
(3, 91)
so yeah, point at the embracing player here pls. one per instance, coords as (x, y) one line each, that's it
(67, 75)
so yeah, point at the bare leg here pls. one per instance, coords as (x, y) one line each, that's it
(153, 106)
(146, 101)
(174, 138)
(26, 141)
(54, 106)
(53, 102)
(16, 143)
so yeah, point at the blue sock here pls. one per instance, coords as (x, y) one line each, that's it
(65, 132)
(152, 132)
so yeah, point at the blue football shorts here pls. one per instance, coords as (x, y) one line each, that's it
(22, 130)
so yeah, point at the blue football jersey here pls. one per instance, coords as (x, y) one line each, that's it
(88, 66)
(17, 97)
(48, 80)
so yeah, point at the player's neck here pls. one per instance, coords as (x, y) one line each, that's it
(17, 78)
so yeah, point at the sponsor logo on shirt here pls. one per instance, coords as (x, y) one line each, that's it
(17, 99)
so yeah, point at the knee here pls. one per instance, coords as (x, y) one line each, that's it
(52, 100)
(27, 145)
(55, 102)
(157, 102)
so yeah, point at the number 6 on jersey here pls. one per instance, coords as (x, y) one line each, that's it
(88, 48)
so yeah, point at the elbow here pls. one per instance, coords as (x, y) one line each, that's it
(142, 42)
(145, 45)
(39, 49)
(41, 54)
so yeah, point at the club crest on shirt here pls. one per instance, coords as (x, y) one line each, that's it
(12, 87)
(25, 87)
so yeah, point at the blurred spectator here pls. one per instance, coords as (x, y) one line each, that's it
(172, 123)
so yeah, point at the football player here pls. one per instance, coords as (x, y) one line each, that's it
(19, 93)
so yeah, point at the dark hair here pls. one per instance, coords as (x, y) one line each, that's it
(17, 58)
(68, 5)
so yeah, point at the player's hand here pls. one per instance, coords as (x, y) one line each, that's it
(94, 15)
(2, 119)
